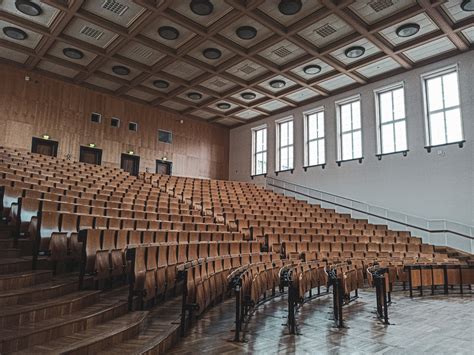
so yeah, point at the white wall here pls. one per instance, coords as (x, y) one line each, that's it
(436, 185)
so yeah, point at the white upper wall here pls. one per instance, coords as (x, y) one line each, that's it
(436, 185)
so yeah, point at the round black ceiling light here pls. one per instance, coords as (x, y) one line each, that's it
(73, 53)
(168, 32)
(161, 84)
(312, 69)
(201, 7)
(408, 30)
(289, 7)
(248, 95)
(355, 52)
(120, 70)
(277, 84)
(223, 105)
(195, 96)
(15, 33)
(212, 53)
(467, 5)
(28, 8)
(246, 32)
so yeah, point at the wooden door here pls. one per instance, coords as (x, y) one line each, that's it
(44, 147)
(90, 155)
(164, 167)
(130, 163)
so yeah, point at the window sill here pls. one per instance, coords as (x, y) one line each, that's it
(253, 176)
(345, 161)
(305, 168)
(404, 152)
(460, 143)
(284, 171)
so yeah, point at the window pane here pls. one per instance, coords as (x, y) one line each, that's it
(290, 132)
(346, 118)
(283, 134)
(437, 129)
(435, 96)
(450, 90)
(357, 142)
(388, 144)
(386, 112)
(311, 126)
(321, 155)
(290, 157)
(283, 158)
(320, 125)
(453, 125)
(400, 136)
(356, 115)
(346, 146)
(398, 104)
(313, 153)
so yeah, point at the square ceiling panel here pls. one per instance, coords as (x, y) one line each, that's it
(270, 8)
(218, 84)
(430, 49)
(45, 18)
(454, 11)
(337, 82)
(121, 12)
(422, 20)
(326, 31)
(141, 53)
(312, 67)
(204, 114)
(59, 48)
(219, 9)
(240, 96)
(223, 106)
(168, 33)
(371, 11)
(379, 67)
(57, 69)
(228, 121)
(272, 105)
(30, 38)
(160, 84)
(248, 114)
(103, 83)
(247, 70)
(188, 96)
(230, 32)
(90, 33)
(469, 34)
(368, 47)
(114, 68)
(268, 86)
(138, 94)
(183, 70)
(14, 56)
(282, 52)
(211, 53)
(302, 95)
(174, 105)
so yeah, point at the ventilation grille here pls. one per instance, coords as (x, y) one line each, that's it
(325, 30)
(115, 7)
(282, 52)
(379, 5)
(219, 83)
(142, 52)
(247, 69)
(92, 32)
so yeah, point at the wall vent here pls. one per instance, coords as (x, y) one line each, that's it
(379, 5)
(247, 69)
(92, 32)
(132, 126)
(115, 7)
(142, 52)
(282, 52)
(325, 30)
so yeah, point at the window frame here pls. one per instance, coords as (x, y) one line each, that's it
(307, 141)
(378, 118)
(166, 131)
(454, 68)
(255, 152)
(278, 124)
(338, 105)
(133, 123)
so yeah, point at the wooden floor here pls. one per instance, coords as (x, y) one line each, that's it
(433, 324)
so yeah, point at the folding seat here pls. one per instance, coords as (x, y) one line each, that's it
(160, 236)
(100, 222)
(141, 224)
(172, 237)
(69, 226)
(182, 253)
(139, 270)
(203, 250)
(92, 246)
(399, 248)
(171, 269)
(413, 248)
(128, 224)
(153, 225)
(373, 247)
(386, 248)
(50, 206)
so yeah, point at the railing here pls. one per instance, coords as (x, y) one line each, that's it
(437, 232)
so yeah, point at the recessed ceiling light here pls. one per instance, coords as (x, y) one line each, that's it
(408, 30)
(277, 84)
(355, 52)
(28, 8)
(73, 53)
(120, 70)
(212, 53)
(312, 69)
(161, 84)
(201, 7)
(15, 33)
(248, 95)
(195, 96)
(467, 5)
(168, 32)
(223, 105)
(289, 7)
(246, 32)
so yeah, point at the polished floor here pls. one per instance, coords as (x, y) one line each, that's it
(429, 325)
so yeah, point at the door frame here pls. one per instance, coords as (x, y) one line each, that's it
(166, 162)
(84, 148)
(136, 162)
(35, 141)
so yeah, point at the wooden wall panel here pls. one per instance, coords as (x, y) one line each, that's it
(62, 110)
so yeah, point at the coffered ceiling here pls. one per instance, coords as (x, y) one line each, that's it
(230, 61)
